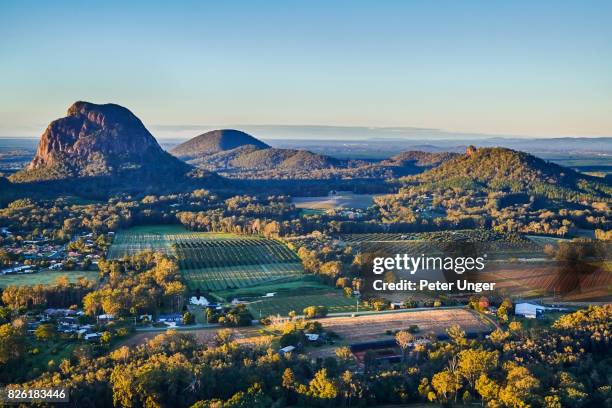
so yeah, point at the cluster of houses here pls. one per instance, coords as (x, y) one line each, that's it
(18, 269)
(67, 321)
(42, 249)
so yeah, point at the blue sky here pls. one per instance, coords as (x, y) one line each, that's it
(539, 68)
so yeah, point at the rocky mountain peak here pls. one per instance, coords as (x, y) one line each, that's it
(95, 140)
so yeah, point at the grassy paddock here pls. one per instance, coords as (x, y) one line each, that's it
(333, 300)
(305, 283)
(45, 277)
(295, 296)
(547, 319)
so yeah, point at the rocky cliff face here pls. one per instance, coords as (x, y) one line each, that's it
(97, 140)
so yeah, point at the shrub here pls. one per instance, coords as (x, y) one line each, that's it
(312, 312)
(188, 318)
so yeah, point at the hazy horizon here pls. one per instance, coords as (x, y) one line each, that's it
(326, 133)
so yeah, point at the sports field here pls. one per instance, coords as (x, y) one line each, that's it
(213, 261)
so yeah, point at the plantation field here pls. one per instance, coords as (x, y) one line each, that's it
(296, 286)
(467, 235)
(213, 261)
(442, 245)
(218, 278)
(45, 277)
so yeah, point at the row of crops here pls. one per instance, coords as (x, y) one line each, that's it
(126, 243)
(211, 261)
(232, 252)
(219, 278)
(475, 235)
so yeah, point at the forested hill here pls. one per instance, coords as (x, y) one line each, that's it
(286, 159)
(505, 169)
(216, 141)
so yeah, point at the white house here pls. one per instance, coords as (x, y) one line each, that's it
(92, 336)
(201, 301)
(285, 350)
(18, 269)
(105, 317)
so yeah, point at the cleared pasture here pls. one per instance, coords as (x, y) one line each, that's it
(298, 286)
(44, 277)
(333, 300)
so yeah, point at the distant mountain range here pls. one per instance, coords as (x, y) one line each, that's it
(237, 154)
(233, 150)
(381, 148)
(108, 147)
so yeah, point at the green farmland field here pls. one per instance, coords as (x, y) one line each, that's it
(212, 261)
(333, 300)
(296, 294)
(44, 277)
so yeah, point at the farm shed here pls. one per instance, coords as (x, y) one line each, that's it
(285, 350)
(529, 310)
